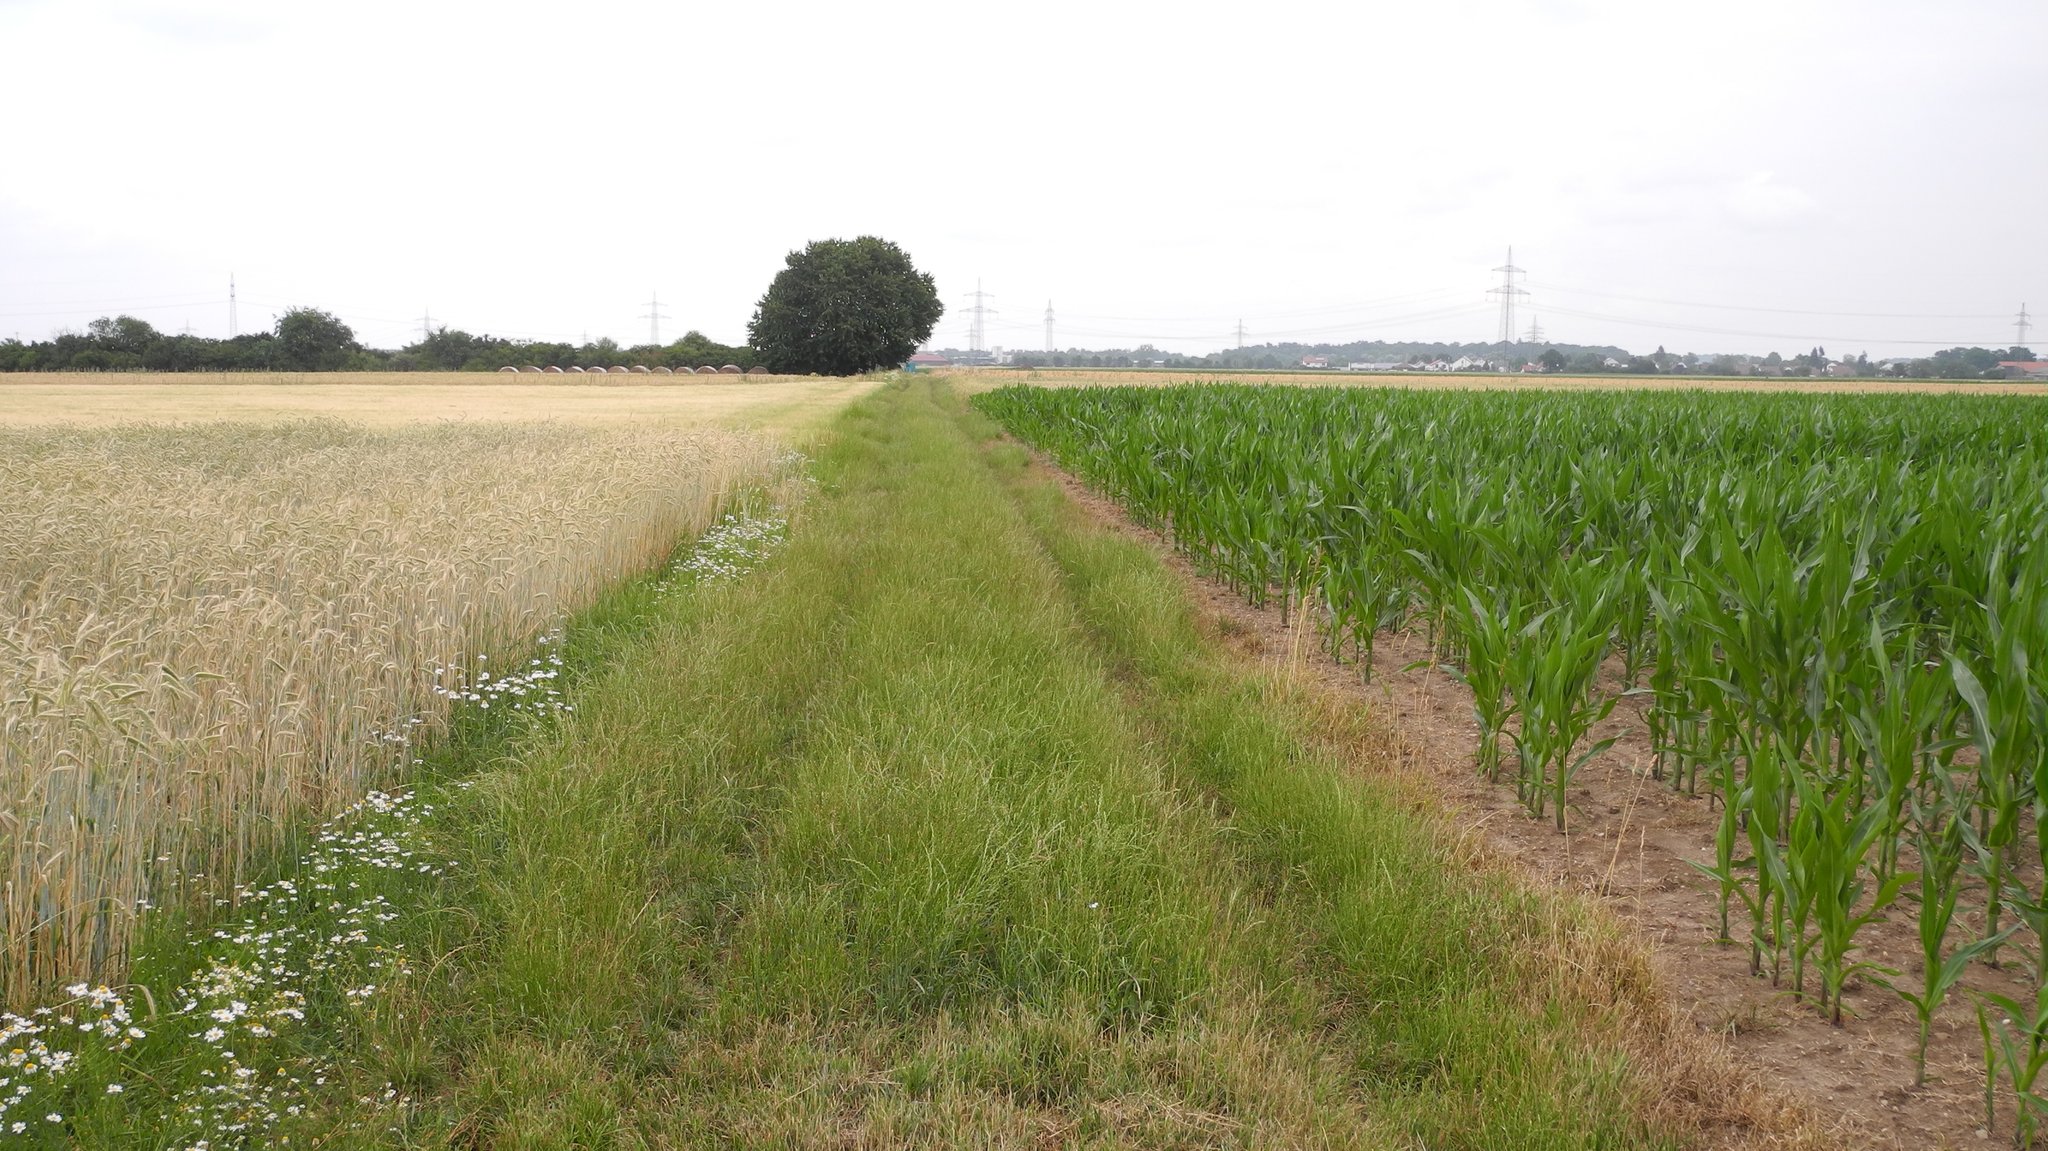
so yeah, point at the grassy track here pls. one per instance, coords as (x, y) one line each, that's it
(953, 827)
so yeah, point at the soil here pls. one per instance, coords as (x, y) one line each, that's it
(1627, 843)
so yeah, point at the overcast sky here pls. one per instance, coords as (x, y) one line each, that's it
(1736, 176)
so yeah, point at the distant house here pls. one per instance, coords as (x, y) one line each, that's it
(1610, 361)
(1375, 366)
(1315, 361)
(927, 361)
(2025, 369)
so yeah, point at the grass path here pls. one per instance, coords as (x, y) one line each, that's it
(952, 827)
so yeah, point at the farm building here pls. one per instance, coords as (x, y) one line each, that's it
(927, 361)
(2025, 369)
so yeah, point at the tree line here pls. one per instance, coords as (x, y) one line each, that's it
(838, 307)
(311, 340)
(1958, 363)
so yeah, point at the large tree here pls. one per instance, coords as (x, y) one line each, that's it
(844, 306)
(310, 340)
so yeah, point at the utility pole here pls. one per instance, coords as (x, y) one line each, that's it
(976, 328)
(1240, 335)
(1507, 293)
(654, 319)
(1535, 335)
(1048, 327)
(2021, 325)
(234, 327)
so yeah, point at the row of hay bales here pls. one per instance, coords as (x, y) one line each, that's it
(640, 370)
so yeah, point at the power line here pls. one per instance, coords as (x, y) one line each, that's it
(426, 324)
(654, 318)
(234, 323)
(2021, 325)
(1048, 326)
(1507, 293)
(980, 312)
(1568, 290)
(1240, 334)
(1535, 335)
(1801, 337)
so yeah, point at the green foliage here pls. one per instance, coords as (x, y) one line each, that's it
(310, 340)
(1839, 602)
(842, 307)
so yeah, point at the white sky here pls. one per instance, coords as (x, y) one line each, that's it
(1745, 175)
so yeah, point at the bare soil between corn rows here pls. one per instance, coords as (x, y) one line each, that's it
(1627, 843)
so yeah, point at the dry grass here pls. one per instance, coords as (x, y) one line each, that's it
(388, 399)
(983, 379)
(208, 634)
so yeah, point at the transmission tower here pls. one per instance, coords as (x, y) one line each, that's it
(2021, 325)
(654, 319)
(1535, 335)
(1507, 293)
(980, 311)
(1048, 326)
(1240, 335)
(426, 324)
(234, 325)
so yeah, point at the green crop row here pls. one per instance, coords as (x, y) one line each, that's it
(1836, 608)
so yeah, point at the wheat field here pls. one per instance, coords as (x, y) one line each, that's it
(212, 633)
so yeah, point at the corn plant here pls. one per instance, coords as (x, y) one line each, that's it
(1940, 826)
(1492, 635)
(1834, 851)
(1553, 675)
(2015, 1041)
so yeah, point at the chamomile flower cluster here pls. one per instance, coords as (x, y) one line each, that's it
(316, 936)
(530, 690)
(734, 546)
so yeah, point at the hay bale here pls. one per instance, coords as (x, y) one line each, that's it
(552, 370)
(530, 368)
(619, 370)
(661, 371)
(574, 368)
(729, 370)
(641, 370)
(707, 370)
(509, 368)
(757, 370)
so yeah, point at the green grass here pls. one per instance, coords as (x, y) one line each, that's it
(953, 827)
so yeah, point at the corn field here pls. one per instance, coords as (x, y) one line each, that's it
(210, 635)
(1836, 608)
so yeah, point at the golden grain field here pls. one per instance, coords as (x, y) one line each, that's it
(390, 399)
(211, 632)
